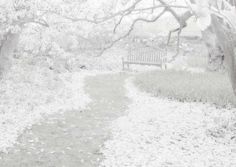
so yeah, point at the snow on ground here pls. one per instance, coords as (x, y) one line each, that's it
(29, 95)
(163, 133)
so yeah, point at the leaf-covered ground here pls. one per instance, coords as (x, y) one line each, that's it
(153, 132)
(72, 138)
(160, 132)
(30, 92)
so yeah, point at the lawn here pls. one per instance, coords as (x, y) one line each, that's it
(209, 87)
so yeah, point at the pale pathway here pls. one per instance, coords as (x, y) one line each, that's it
(158, 132)
(72, 139)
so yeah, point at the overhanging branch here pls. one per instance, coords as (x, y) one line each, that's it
(131, 29)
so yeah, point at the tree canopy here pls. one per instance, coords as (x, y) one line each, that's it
(113, 20)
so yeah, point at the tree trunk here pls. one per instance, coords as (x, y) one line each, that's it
(215, 53)
(225, 38)
(8, 45)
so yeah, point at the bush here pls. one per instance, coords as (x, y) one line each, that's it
(206, 87)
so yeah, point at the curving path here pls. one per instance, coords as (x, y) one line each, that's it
(73, 138)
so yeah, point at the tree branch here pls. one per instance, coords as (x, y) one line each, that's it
(121, 13)
(182, 24)
(131, 29)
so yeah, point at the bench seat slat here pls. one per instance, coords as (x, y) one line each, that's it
(142, 63)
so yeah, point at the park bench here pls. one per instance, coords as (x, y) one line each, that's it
(144, 55)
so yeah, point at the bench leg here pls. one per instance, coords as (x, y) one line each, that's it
(164, 66)
(123, 64)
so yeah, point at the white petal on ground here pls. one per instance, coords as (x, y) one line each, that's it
(28, 95)
(159, 132)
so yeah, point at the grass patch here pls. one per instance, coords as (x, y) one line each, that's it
(213, 88)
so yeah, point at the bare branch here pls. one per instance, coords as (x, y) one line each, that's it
(121, 13)
(33, 20)
(161, 6)
(177, 45)
(182, 20)
(94, 21)
(144, 9)
(131, 29)
(122, 17)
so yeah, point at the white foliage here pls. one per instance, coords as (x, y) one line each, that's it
(202, 12)
(29, 92)
(204, 22)
(204, 8)
(230, 15)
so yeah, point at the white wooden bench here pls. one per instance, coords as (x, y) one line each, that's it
(145, 56)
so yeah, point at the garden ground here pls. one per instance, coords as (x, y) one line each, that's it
(72, 138)
(125, 127)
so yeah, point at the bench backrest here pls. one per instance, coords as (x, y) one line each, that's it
(146, 54)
